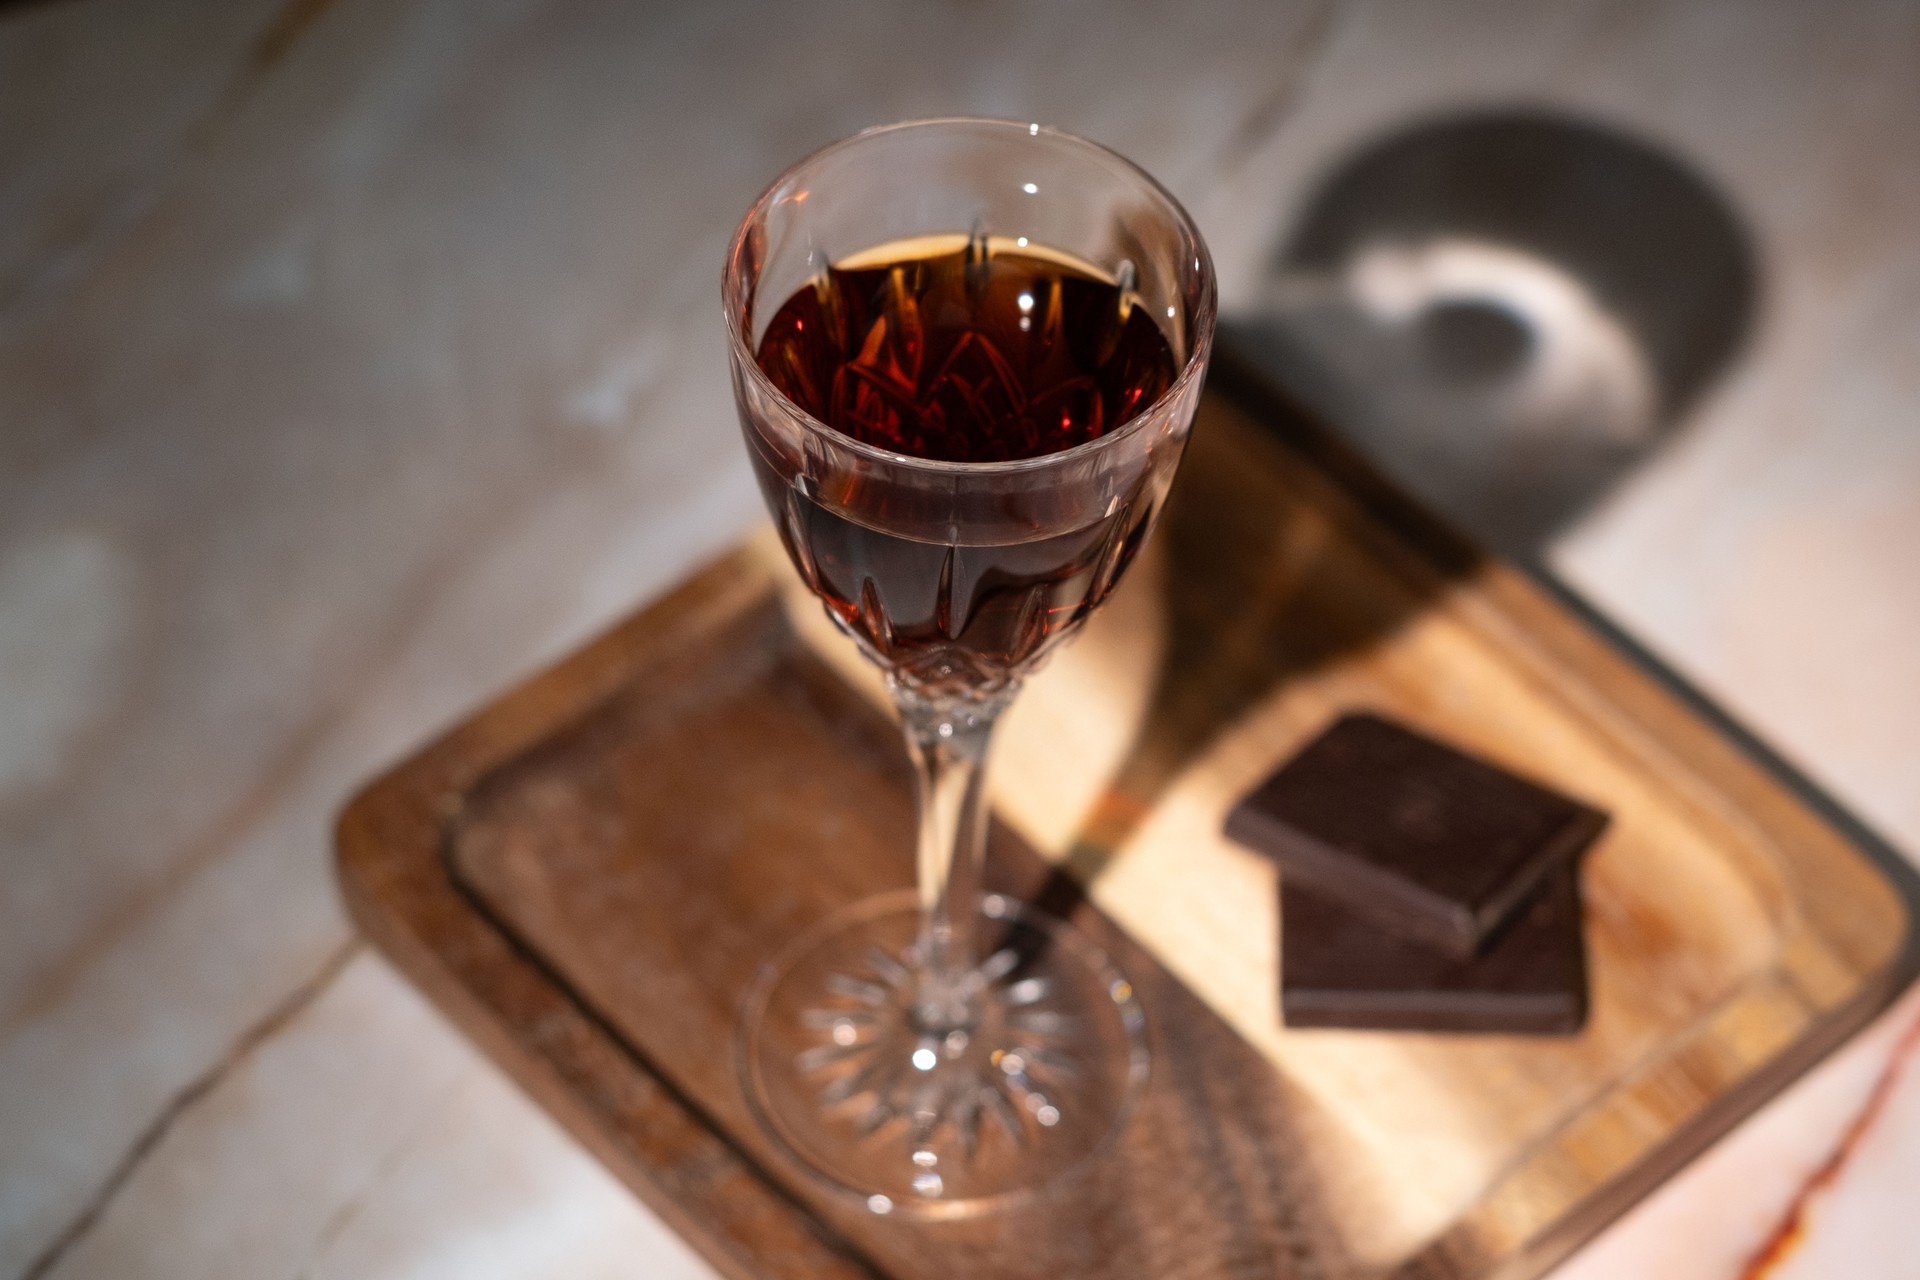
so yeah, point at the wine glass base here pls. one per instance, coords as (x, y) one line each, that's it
(951, 1121)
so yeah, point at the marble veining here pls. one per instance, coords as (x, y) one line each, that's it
(356, 358)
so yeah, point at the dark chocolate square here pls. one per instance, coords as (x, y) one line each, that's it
(1425, 841)
(1338, 970)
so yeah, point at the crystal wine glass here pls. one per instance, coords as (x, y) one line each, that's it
(966, 355)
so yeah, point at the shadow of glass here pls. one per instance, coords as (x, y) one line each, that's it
(1510, 310)
(1505, 312)
(1264, 579)
(1267, 575)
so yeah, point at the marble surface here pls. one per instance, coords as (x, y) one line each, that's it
(357, 358)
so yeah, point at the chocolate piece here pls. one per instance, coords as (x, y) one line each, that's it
(1426, 842)
(1338, 970)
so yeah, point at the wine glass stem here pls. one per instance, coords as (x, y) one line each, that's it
(947, 739)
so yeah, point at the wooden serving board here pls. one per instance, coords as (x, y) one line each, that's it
(587, 874)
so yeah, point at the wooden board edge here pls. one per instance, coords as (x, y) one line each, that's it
(397, 888)
(1532, 593)
(421, 786)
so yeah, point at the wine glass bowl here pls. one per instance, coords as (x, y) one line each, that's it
(966, 356)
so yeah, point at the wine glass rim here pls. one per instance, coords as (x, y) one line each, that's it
(1201, 319)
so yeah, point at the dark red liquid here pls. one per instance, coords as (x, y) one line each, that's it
(973, 351)
(924, 352)
(953, 615)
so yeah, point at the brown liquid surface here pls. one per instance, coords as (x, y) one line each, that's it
(967, 350)
(959, 351)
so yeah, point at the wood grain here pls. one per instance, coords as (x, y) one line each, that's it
(587, 874)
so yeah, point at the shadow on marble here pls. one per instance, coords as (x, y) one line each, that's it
(1510, 309)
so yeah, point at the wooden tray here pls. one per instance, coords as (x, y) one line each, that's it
(586, 874)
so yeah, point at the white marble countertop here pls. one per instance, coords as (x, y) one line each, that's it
(358, 357)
